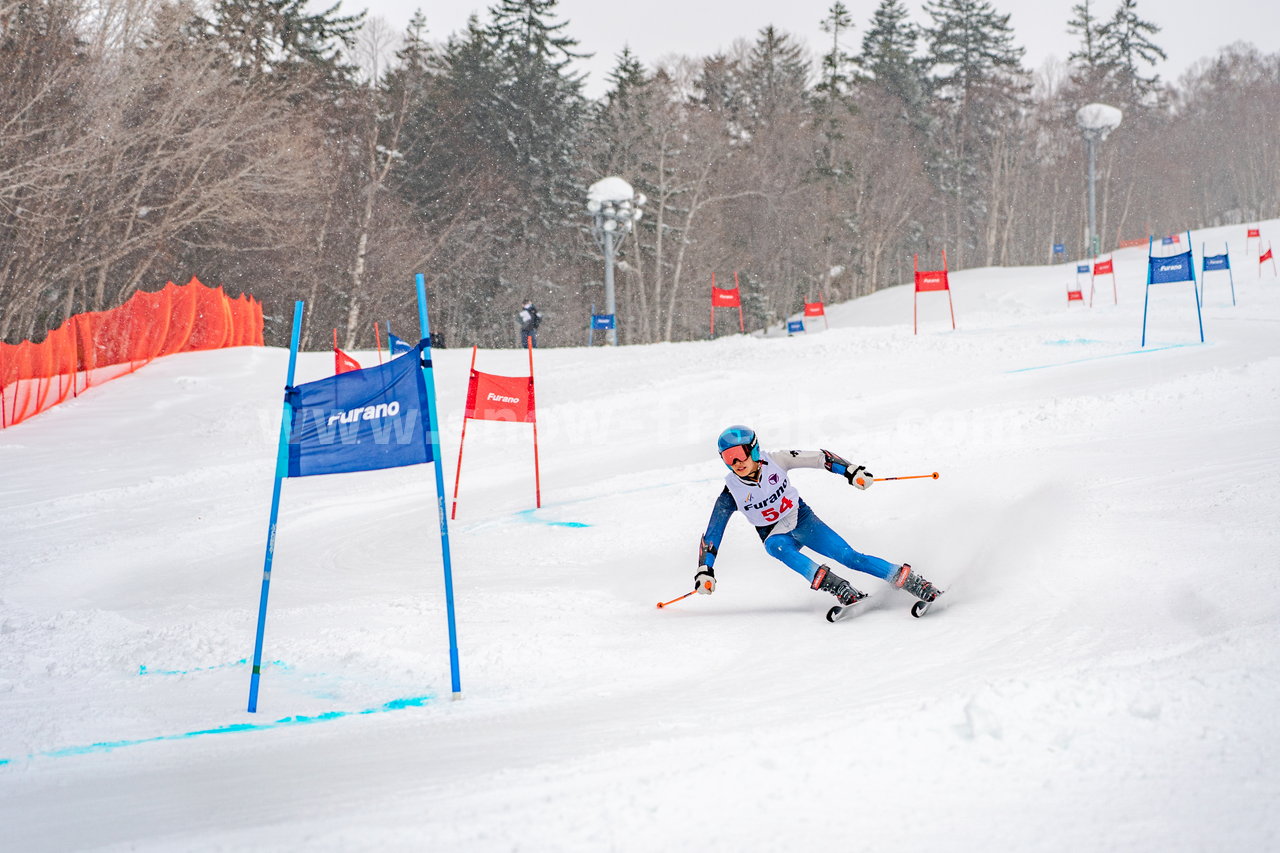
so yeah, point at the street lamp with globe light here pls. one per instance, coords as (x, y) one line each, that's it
(615, 208)
(1095, 121)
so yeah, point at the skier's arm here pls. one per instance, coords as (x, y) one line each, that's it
(857, 475)
(705, 580)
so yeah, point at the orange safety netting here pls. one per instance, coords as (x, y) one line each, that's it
(97, 346)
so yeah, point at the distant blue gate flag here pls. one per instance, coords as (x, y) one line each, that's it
(1059, 248)
(1216, 262)
(602, 321)
(361, 420)
(1082, 268)
(1171, 269)
(794, 326)
(397, 346)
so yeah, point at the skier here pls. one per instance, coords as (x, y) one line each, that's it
(760, 489)
(530, 319)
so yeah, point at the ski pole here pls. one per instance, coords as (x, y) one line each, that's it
(674, 600)
(932, 476)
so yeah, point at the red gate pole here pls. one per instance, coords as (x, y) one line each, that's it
(457, 477)
(915, 297)
(741, 327)
(713, 301)
(4, 422)
(377, 341)
(537, 476)
(947, 276)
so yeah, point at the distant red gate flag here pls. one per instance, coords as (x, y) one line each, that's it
(499, 398)
(726, 298)
(1106, 267)
(1253, 232)
(342, 363)
(926, 281)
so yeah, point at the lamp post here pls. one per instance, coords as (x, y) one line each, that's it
(615, 208)
(1095, 122)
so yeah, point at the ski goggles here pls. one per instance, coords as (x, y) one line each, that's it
(737, 453)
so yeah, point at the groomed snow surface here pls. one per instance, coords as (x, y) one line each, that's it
(1105, 675)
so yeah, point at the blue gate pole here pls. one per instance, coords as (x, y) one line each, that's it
(282, 470)
(1191, 259)
(1147, 297)
(438, 464)
(591, 325)
(1204, 259)
(1226, 251)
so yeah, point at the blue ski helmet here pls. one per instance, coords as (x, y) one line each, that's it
(738, 436)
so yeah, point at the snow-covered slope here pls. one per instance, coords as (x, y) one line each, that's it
(1103, 677)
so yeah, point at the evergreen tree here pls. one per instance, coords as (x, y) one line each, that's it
(1085, 26)
(971, 51)
(626, 75)
(888, 55)
(836, 63)
(537, 105)
(777, 74)
(720, 85)
(1088, 69)
(979, 88)
(621, 120)
(279, 39)
(1125, 46)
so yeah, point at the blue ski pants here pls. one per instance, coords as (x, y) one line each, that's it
(812, 532)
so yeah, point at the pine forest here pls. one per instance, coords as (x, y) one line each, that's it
(293, 152)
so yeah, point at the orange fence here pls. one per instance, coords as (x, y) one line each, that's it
(97, 346)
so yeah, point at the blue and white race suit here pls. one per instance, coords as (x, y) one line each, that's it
(784, 522)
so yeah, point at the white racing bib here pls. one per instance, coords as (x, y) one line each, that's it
(770, 501)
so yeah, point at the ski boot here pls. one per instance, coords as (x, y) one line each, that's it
(826, 581)
(905, 578)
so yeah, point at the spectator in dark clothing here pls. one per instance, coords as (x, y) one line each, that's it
(529, 320)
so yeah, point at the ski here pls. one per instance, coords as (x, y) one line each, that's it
(841, 611)
(920, 608)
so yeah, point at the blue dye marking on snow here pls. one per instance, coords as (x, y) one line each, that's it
(527, 515)
(142, 670)
(108, 746)
(1070, 341)
(1099, 357)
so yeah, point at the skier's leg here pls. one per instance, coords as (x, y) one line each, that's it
(812, 532)
(784, 547)
(781, 546)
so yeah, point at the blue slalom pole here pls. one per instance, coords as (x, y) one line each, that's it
(1226, 250)
(1147, 296)
(591, 325)
(282, 470)
(438, 465)
(1191, 261)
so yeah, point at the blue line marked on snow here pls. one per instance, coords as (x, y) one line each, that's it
(527, 515)
(143, 670)
(1070, 341)
(1100, 357)
(108, 746)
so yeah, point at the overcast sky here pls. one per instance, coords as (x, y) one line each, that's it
(1190, 29)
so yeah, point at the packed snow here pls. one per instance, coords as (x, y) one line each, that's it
(1100, 675)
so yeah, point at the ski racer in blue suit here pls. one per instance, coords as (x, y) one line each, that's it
(759, 487)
